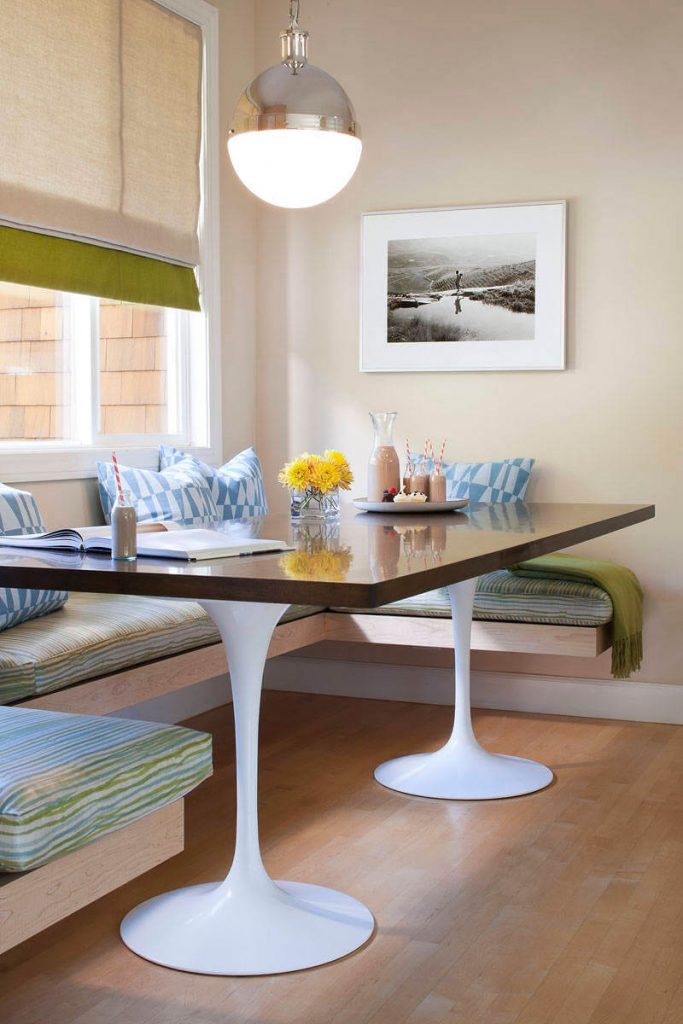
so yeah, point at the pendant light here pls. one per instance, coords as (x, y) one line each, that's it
(294, 140)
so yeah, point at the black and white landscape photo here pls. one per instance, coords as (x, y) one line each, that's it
(469, 288)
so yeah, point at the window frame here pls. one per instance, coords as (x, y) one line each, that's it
(59, 459)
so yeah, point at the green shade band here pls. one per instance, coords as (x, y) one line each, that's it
(62, 264)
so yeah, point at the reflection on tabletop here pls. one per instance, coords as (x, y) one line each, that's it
(318, 553)
(510, 517)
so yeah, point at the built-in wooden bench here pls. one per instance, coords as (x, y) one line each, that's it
(82, 818)
(108, 694)
(112, 693)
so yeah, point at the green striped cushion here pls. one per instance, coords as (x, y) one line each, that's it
(68, 779)
(502, 597)
(96, 634)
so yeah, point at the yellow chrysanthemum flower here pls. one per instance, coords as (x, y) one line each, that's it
(341, 463)
(325, 477)
(317, 473)
(297, 474)
(336, 458)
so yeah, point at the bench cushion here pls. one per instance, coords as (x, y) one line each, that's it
(68, 779)
(97, 634)
(502, 597)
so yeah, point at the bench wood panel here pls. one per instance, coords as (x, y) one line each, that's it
(512, 637)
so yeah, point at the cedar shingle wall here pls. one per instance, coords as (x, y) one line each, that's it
(34, 370)
(34, 366)
(132, 369)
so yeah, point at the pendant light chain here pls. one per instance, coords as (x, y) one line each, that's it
(294, 42)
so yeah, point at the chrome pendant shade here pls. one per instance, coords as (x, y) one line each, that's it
(294, 140)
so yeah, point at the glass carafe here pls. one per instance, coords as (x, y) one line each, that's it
(383, 468)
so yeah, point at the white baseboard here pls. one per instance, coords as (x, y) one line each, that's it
(554, 695)
(506, 691)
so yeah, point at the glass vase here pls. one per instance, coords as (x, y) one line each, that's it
(314, 506)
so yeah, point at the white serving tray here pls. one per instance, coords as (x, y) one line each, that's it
(408, 506)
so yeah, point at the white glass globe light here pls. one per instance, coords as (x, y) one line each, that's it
(294, 140)
(294, 168)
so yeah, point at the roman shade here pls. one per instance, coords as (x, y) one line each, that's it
(100, 122)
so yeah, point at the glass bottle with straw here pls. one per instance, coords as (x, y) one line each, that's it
(419, 476)
(437, 481)
(124, 522)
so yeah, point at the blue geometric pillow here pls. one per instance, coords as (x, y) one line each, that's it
(179, 493)
(490, 482)
(237, 487)
(19, 515)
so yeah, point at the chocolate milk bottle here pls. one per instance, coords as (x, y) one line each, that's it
(437, 487)
(419, 480)
(124, 522)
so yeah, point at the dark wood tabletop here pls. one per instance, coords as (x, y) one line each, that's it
(365, 560)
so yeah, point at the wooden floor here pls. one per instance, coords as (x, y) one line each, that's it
(564, 907)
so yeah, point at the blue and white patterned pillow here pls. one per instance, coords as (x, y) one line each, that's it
(237, 486)
(491, 482)
(179, 493)
(19, 515)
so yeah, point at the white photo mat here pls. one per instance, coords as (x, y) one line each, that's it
(469, 228)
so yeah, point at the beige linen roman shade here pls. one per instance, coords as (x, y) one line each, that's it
(100, 136)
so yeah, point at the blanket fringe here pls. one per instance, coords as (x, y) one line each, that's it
(627, 654)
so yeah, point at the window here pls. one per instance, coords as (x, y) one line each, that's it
(97, 372)
(81, 375)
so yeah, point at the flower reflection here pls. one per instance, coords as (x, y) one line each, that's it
(319, 554)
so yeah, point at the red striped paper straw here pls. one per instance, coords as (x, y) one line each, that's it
(440, 462)
(408, 452)
(424, 454)
(117, 475)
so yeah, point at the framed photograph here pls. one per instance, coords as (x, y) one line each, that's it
(468, 288)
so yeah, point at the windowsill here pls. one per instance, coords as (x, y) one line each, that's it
(63, 462)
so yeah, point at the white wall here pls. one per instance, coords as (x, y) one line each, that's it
(493, 103)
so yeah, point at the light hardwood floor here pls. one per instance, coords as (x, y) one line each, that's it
(564, 907)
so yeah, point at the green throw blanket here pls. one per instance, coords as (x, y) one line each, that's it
(623, 588)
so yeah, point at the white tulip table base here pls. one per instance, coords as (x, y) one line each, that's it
(248, 924)
(462, 769)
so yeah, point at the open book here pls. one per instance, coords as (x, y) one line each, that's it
(163, 540)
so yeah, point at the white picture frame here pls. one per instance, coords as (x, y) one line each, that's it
(411, 261)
